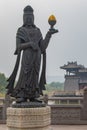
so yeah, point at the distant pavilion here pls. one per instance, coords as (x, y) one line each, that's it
(75, 77)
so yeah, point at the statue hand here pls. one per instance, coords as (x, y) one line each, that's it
(34, 45)
(52, 31)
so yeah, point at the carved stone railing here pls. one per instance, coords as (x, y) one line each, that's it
(2, 110)
(65, 100)
(4, 103)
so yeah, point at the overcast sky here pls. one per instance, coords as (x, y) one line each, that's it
(70, 44)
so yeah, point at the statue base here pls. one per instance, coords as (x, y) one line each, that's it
(29, 118)
(28, 105)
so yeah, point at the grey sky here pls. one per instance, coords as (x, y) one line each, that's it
(70, 44)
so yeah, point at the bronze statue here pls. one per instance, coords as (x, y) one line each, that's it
(29, 40)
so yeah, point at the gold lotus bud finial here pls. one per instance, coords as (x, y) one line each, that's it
(52, 21)
(52, 18)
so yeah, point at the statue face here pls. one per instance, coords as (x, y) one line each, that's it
(28, 19)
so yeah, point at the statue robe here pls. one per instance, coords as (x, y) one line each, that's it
(28, 85)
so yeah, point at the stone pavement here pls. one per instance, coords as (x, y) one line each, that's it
(58, 127)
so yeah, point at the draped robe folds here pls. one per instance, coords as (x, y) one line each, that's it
(28, 85)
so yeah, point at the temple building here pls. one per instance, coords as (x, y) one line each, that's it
(75, 77)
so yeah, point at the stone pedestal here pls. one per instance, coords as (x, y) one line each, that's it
(28, 118)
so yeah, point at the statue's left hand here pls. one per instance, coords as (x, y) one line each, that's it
(53, 31)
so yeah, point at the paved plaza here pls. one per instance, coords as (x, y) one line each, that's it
(58, 127)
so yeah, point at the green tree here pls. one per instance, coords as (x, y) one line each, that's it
(3, 83)
(55, 86)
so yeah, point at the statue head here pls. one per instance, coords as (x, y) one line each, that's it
(28, 17)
